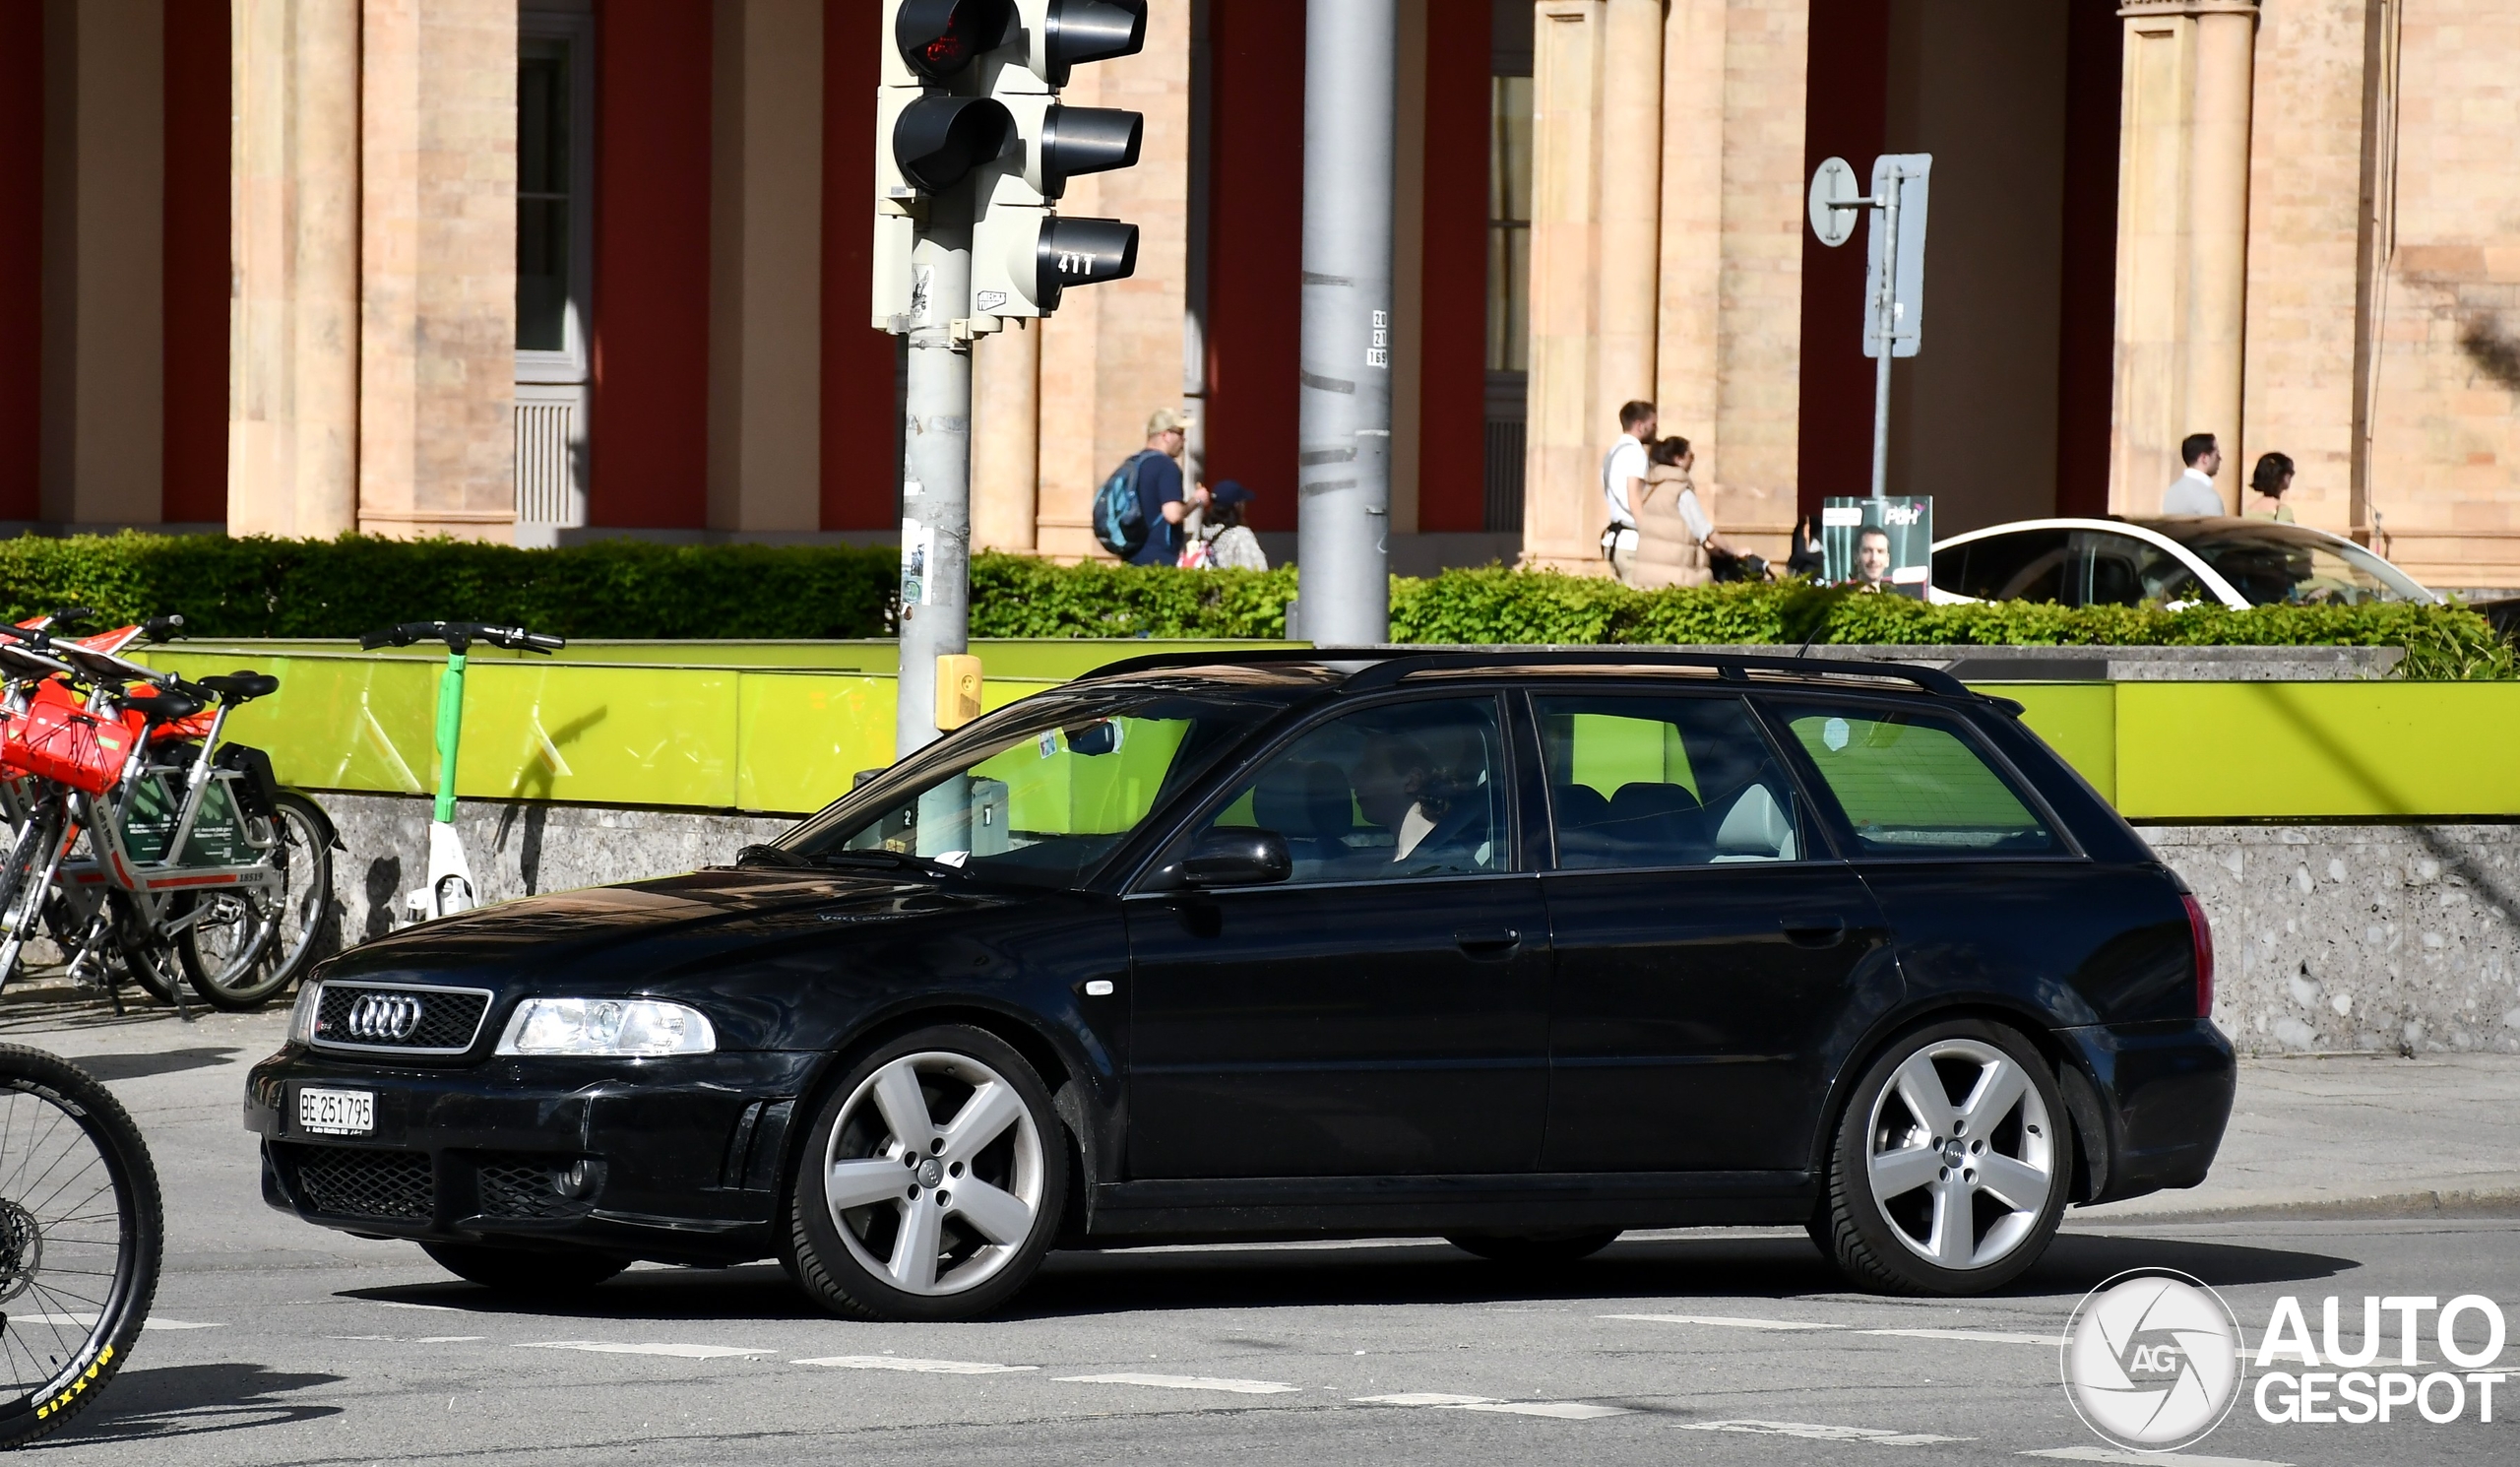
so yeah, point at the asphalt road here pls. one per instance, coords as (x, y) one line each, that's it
(273, 1342)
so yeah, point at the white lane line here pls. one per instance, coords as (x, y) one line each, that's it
(1814, 1432)
(1560, 1410)
(89, 1321)
(904, 1362)
(396, 1303)
(1183, 1382)
(426, 1339)
(615, 1347)
(1728, 1320)
(1990, 1336)
(2145, 1459)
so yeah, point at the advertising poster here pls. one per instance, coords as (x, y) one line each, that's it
(1878, 544)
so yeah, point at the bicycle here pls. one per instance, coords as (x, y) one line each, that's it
(450, 888)
(82, 1235)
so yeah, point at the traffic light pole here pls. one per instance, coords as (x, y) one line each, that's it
(936, 468)
(1344, 463)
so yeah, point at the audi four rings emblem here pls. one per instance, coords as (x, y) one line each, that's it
(387, 1016)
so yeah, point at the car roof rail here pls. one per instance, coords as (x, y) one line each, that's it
(1389, 664)
(1159, 662)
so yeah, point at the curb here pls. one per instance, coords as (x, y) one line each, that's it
(2491, 1202)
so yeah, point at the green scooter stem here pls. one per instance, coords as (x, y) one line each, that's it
(450, 732)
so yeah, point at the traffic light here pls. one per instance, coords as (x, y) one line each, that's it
(970, 96)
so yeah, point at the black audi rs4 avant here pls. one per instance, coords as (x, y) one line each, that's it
(1517, 948)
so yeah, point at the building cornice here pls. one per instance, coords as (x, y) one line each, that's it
(2133, 9)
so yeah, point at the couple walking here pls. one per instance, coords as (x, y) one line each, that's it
(1659, 532)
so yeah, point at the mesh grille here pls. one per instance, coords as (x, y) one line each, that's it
(520, 1187)
(447, 1019)
(353, 1182)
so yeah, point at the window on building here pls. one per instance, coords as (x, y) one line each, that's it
(1509, 224)
(542, 194)
(554, 264)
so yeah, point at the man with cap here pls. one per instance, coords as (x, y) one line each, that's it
(1160, 503)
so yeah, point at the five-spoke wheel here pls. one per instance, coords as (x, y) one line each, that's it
(1951, 1165)
(932, 1182)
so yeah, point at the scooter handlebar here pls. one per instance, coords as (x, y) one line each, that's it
(458, 635)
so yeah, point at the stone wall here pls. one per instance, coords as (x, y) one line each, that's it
(2333, 937)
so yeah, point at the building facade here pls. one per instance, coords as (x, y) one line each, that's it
(548, 269)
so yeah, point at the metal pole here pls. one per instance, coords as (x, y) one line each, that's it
(936, 468)
(1342, 548)
(1886, 312)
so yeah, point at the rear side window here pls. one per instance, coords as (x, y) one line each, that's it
(1914, 784)
(1645, 781)
(2020, 565)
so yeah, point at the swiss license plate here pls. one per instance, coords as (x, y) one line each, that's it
(337, 1112)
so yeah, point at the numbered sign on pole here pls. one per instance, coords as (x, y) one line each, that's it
(1908, 175)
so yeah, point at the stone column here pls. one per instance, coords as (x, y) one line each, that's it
(1685, 353)
(104, 171)
(2183, 232)
(765, 266)
(1006, 437)
(437, 268)
(292, 428)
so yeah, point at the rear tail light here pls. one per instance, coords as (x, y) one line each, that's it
(2200, 938)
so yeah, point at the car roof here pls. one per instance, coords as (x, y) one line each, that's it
(1368, 668)
(2172, 529)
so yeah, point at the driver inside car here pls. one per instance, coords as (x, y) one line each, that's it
(1430, 810)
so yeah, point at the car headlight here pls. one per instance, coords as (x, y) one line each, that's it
(301, 1019)
(627, 1027)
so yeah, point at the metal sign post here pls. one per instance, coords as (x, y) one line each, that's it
(1894, 304)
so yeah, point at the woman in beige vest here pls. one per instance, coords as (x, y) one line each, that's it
(1672, 529)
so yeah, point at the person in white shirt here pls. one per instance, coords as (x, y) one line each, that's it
(2193, 492)
(1624, 469)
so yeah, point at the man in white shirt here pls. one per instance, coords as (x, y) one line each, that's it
(1622, 468)
(2193, 492)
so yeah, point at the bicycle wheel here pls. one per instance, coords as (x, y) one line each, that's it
(21, 906)
(81, 1233)
(248, 945)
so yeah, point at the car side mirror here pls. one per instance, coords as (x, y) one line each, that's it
(1235, 857)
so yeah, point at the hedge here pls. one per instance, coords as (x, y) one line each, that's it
(277, 588)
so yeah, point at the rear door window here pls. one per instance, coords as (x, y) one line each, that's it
(2019, 565)
(1645, 781)
(1913, 783)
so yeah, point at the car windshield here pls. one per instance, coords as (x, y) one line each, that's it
(1039, 797)
(2273, 564)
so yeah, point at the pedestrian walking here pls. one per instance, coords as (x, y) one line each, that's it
(1161, 504)
(1221, 542)
(2269, 479)
(2193, 492)
(1623, 470)
(1672, 527)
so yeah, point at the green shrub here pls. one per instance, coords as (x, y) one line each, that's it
(279, 588)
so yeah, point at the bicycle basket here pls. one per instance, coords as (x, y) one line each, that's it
(56, 738)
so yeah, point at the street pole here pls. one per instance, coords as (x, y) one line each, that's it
(937, 468)
(1886, 312)
(1344, 434)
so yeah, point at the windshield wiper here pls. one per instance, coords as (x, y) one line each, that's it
(891, 860)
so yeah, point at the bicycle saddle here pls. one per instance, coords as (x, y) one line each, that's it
(164, 705)
(240, 687)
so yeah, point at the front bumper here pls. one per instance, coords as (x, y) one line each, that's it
(678, 1159)
(2163, 1094)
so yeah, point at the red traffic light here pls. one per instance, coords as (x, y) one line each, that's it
(940, 37)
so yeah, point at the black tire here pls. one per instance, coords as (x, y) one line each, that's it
(1902, 1243)
(81, 1236)
(1535, 1250)
(1024, 1161)
(525, 1273)
(268, 941)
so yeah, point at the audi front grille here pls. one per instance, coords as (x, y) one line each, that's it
(384, 1018)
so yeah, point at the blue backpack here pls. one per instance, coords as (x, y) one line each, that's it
(1118, 523)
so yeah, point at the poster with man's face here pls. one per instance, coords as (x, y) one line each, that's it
(1878, 544)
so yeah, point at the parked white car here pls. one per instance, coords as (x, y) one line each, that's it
(2165, 562)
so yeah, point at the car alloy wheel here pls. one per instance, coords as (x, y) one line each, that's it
(1950, 1169)
(932, 1183)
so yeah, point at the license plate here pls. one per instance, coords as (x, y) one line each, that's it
(337, 1112)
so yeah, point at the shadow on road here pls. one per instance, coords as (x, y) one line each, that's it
(140, 1066)
(1719, 1265)
(194, 1401)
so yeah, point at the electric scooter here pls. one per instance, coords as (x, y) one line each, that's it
(450, 888)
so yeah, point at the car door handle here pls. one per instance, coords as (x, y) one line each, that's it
(1488, 941)
(1814, 930)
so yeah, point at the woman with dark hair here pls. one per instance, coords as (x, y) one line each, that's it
(2269, 479)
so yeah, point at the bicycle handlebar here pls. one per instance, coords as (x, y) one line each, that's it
(460, 635)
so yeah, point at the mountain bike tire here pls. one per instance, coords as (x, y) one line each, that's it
(82, 1234)
(236, 981)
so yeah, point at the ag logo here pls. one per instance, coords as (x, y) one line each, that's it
(2151, 1360)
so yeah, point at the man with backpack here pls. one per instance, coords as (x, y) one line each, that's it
(1139, 510)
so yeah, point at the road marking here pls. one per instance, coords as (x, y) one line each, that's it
(1728, 1320)
(1183, 1382)
(396, 1303)
(615, 1347)
(1814, 1432)
(904, 1363)
(1560, 1410)
(1423, 1398)
(426, 1339)
(2145, 1459)
(89, 1321)
(1990, 1336)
